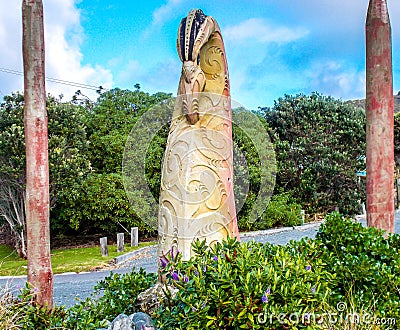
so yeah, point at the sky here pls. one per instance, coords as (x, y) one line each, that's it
(273, 47)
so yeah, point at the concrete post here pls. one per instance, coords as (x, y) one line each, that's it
(134, 236)
(120, 242)
(103, 247)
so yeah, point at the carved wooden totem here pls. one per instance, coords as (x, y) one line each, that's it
(196, 197)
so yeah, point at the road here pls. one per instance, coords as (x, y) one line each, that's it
(71, 286)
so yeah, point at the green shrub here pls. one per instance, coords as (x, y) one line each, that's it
(99, 203)
(282, 211)
(33, 316)
(365, 262)
(8, 317)
(118, 295)
(230, 285)
(114, 295)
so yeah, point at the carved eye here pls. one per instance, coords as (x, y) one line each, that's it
(198, 59)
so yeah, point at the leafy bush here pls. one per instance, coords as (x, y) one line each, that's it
(114, 295)
(282, 211)
(229, 285)
(365, 262)
(118, 295)
(8, 317)
(33, 316)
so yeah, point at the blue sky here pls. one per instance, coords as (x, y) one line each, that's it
(273, 47)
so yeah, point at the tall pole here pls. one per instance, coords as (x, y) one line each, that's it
(40, 274)
(380, 118)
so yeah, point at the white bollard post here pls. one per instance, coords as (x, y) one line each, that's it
(103, 247)
(134, 236)
(120, 242)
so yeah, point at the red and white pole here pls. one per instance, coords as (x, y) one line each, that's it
(380, 118)
(37, 204)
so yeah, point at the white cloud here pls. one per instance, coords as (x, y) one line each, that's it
(259, 30)
(130, 72)
(63, 37)
(337, 79)
(163, 13)
(161, 76)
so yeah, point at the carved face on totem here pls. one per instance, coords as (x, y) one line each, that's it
(193, 32)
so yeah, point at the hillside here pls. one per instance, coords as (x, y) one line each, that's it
(361, 103)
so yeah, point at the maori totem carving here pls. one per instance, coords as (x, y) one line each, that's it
(196, 197)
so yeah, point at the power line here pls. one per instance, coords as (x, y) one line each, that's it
(55, 80)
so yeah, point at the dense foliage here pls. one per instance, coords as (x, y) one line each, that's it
(98, 204)
(366, 264)
(114, 295)
(282, 211)
(320, 145)
(110, 122)
(230, 285)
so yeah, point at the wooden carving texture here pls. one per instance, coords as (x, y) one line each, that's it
(196, 197)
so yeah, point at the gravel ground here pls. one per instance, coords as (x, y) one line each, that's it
(71, 286)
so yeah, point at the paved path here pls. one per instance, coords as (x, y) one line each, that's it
(68, 287)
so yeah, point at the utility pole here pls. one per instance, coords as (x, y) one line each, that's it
(37, 205)
(380, 117)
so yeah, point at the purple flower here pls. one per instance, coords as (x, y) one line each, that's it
(185, 279)
(205, 269)
(308, 268)
(203, 305)
(164, 261)
(196, 273)
(215, 258)
(35, 289)
(175, 276)
(313, 289)
(264, 298)
(265, 295)
(174, 255)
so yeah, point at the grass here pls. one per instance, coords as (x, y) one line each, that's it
(66, 260)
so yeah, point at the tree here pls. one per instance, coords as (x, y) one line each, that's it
(37, 206)
(320, 144)
(109, 124)
(68, 161)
